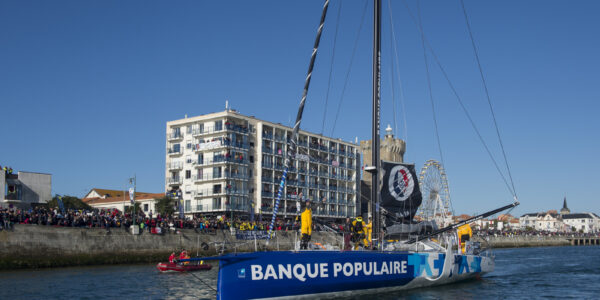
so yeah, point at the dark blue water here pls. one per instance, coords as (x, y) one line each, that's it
(554, 272)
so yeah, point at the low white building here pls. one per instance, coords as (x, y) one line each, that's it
(544, 221)
(114, 199)
(582, 222)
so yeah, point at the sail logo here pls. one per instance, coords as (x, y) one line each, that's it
(401, 183)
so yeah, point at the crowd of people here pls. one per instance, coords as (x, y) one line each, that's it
(495, 232)
(152, 223)
(7, 170)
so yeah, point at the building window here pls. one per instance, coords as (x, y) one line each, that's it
(188, 205)
(216, 203)
(217, 172)
(188, 174)
(216, 189)
(218, 125)
(146, 207)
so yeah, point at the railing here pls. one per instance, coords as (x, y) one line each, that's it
(207, 193)
(174, 180)
(267, 194)
(267, 150)
(240, 145)
(236, 175)
(206, 130)
(237, 128)
(267, 165)
(236, 191)
(174, 136)
(175, 165)
(207, 177)
(173, 151)
(268, 136)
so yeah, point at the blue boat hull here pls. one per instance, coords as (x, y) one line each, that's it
(292, 274)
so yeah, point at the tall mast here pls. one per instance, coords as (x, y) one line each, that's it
(375, 126)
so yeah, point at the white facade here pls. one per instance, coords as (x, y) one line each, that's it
(146, 205)
(551, 222)
(226, 162)
(584, 222)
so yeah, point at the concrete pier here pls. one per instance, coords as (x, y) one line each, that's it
(33, 246)
(584, 241)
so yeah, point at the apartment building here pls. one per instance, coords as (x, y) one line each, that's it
(229, 163)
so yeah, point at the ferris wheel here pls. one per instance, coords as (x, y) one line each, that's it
(436, 204)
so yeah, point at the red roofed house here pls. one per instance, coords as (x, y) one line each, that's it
(104, 198)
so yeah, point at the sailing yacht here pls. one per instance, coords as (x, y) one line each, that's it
(412, 263)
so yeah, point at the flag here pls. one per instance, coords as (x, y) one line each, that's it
(61, 205)
(400, 193)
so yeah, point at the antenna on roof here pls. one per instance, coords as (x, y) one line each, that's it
(227, 105)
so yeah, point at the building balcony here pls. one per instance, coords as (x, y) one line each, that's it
(236, 128)
(236, 191)
(268, 136)
(239, 145)
(174, 136)
(267, 194)
(202, 193)
(267, 165)
(174, 180)
(207, 130)
(175, 165)
(267, 150)
(174, 152)
(208, 177)
(235, 175)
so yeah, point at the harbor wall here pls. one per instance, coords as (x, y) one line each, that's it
(32, 246)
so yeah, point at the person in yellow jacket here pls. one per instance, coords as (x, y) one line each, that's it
(358, 232)
(306, 222)
(464, 234)
(368, 233)
(305, 225)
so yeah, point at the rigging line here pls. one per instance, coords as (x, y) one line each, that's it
(397, 63)
(392, 75)
(209, 286)
(487, 94)
(455, 92)
(437, 134)
(292, 146)
(337, 25)
(362, 21)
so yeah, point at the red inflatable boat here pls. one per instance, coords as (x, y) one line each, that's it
(173, 267)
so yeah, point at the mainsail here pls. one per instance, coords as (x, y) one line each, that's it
(400, 193)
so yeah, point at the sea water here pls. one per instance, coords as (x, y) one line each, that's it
(524, 273)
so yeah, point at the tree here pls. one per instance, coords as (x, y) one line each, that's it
(165, 206)
(129, 208)
(69, 202)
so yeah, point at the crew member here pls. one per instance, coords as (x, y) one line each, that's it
(306, 223)
(358, 232)
(368, 233)
(184, 255)
(172, 257)
(464, 234)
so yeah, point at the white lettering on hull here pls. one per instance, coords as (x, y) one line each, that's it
(321, 270)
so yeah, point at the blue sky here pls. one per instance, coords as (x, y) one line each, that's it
(86, 87)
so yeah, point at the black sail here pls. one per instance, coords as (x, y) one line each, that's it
(400, 193)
